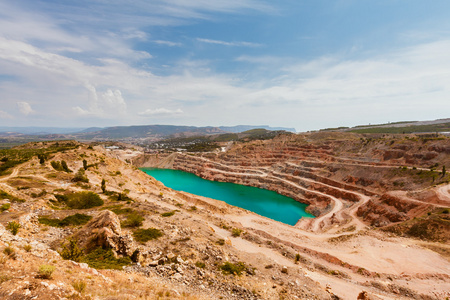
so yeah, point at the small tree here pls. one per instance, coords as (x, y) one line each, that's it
(85, 165)
(65, 167)
(41, 158)
(443, 171)
(71, 251)
(103, 185)
(13, 226)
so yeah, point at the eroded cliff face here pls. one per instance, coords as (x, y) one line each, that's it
(346, 179)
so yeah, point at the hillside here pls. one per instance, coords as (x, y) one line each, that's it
(406, 127)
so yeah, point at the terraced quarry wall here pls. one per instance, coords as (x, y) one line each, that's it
(346, 179)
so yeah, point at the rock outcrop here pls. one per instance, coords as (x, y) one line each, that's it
(104, 231)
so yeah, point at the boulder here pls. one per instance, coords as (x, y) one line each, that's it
(104, 231)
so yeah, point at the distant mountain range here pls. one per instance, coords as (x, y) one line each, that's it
(127, 132)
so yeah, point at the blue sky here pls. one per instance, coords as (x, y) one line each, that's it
(303, 64)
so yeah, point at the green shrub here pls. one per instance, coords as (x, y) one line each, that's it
(200, 264)
(65, 167)
(220, 242)
(133, 220)
(46, 271)
(27, 247)
(56, 165)
(80, 176)
(10, 252)
(81, 200)
(13, 226)
(104, 259)
(103, 186)
(76, 219)
(5, 195)
(79, 286)
(230, 268)
(236, 232)
(71, 251)
(168, 214)
(145, 235)
(4, 207)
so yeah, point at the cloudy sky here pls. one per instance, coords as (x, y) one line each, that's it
(292, 63)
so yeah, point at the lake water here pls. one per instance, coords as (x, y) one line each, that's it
(263, 202)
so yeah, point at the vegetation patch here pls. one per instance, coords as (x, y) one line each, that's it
(168, 214)
(133, 220)
(76, 220)
(80, 200)
(13, 226)
(46, 271)
(9, 158)
(80, 176)
(433, 226)
(61, 166)
(236, 232)
(71, 251)
(104, 259)
(4, 207)
(145, 235)
(233, 268)
(5, 195)
(114, 196)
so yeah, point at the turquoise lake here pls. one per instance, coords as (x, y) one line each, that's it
(263, 202)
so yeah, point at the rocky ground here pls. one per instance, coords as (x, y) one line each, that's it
(206, 249)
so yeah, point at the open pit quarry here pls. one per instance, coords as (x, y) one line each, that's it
(381, 229)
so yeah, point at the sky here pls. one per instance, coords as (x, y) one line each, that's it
(292, 63)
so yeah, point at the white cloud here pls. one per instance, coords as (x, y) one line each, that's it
(168, 43)
(24, 108)
(5, 115)
(232, 44)
(160, 111)
(113, 100)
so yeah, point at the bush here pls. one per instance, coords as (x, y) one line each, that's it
(81, 200)
(46, 271)
(76, 219)
(80, 176)
(79, 286)
(13, 226)
(5, 195)
(168, 214)
(145, 235)
(9, 252)
(4, 207)
(235, 269)
(200, 265)
(104, 259)
(103, 186)
(133, 220)
(56, 165)
(71, 251)
(27, 247)
(60, 166)
(236, 232)
(65, 167)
